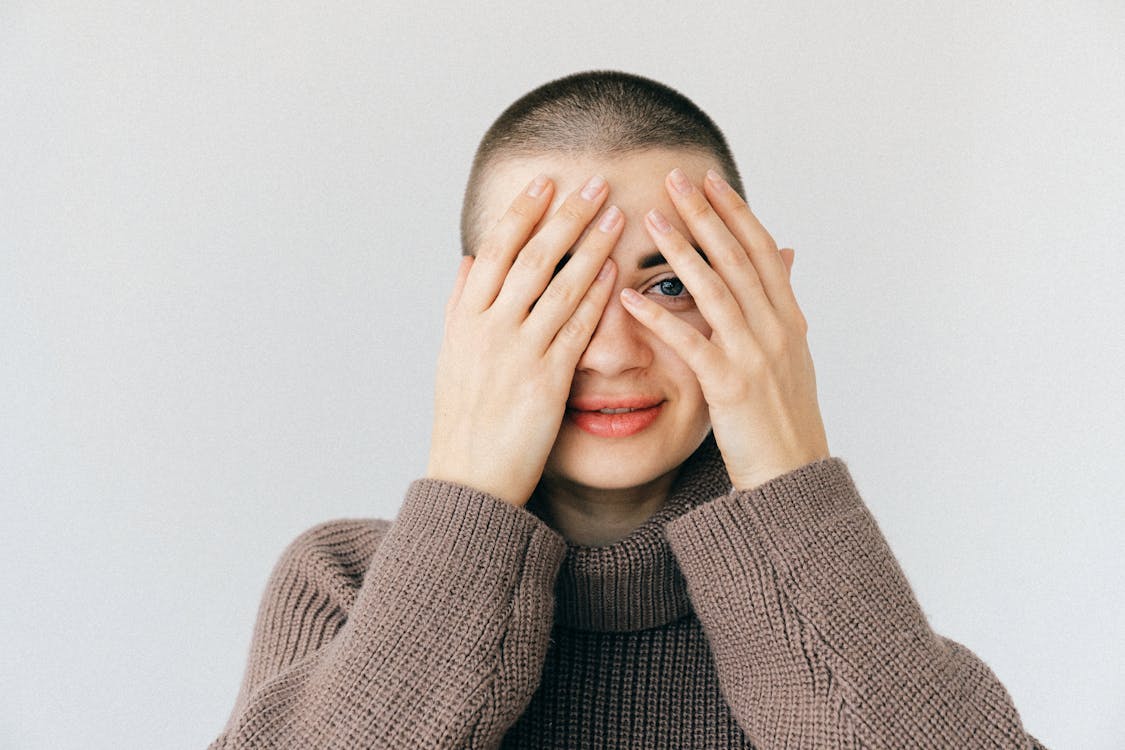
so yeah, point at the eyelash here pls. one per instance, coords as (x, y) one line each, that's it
(684, 295)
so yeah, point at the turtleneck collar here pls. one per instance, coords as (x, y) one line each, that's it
(635, 583)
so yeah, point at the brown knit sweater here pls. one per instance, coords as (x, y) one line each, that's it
(770, 618)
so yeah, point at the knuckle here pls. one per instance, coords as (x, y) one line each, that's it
(558, 294)
(519, 211)
(733, 254)
(698, 209)
(529, 260)
(525, 210)
(574, 329)
(736, 199)
(573, 211)
(802, 324)
(742, 209)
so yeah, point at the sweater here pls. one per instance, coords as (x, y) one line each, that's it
(768, 618)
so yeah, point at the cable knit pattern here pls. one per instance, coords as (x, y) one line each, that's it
(772, 618)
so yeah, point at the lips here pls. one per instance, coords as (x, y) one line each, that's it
(596, 403)
(603, 415)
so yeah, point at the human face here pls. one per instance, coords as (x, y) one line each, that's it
(624, 363)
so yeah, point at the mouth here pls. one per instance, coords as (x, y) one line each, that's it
(613, 403)
(614, 417)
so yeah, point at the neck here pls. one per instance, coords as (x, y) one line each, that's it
(594, 516)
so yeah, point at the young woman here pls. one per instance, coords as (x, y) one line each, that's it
(631, 532)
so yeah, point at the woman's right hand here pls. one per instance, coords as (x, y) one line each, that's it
(513, 336)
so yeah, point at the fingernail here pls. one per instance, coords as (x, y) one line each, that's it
(593, 187)
(610, 219)
(717, 180)
(657, 219)
(681, 182)
(537, 186)
(604, 272)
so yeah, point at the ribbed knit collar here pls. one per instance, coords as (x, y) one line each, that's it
(635, 583)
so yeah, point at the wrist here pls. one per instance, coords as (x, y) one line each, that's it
(481, 483)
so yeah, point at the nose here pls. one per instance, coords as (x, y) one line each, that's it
(619, 344)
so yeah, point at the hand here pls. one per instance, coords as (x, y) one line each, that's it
(755, 370)
(513, 336)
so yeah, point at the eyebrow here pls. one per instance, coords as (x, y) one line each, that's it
(657, 259)
(652, 260)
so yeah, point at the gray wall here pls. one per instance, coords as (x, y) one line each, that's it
(227, 231)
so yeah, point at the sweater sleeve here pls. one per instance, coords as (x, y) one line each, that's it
(817, 637)
(428, 632)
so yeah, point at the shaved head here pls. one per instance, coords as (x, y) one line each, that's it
(596, 113)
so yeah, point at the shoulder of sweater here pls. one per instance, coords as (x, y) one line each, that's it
(341, 534)
(340, 538)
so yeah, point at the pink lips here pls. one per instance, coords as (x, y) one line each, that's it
(585, 414)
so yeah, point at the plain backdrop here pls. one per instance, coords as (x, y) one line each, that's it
(227, 232)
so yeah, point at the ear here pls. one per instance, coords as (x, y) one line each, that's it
(788, 254)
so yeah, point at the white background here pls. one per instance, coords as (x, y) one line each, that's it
(227, 231)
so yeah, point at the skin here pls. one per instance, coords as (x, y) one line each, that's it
(728, 353)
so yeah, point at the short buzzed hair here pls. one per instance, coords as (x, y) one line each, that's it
(599, 112)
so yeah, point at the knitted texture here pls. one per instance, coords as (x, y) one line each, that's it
(769, 618)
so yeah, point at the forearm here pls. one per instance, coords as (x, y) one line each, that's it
(441, 645)
(817, 636)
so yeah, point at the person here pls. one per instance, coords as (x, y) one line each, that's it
(631, 531)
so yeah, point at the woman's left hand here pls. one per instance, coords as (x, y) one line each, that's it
(755, 369)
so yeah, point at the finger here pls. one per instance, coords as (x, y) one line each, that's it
(574, 335)
(533, 267)
(562, 296)
(712, 295)
(702, 356)
(788, 255)
(458, 284)
(725, 253)
(736, 214)
(500, 245)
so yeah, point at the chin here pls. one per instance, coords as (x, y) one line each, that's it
(616, 464)
(608, 475)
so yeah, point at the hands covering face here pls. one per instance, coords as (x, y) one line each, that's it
(515, 331)
(755, 369)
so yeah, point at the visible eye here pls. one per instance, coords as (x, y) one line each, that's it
(672, 289)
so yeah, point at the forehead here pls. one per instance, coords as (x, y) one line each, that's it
(636, 183)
